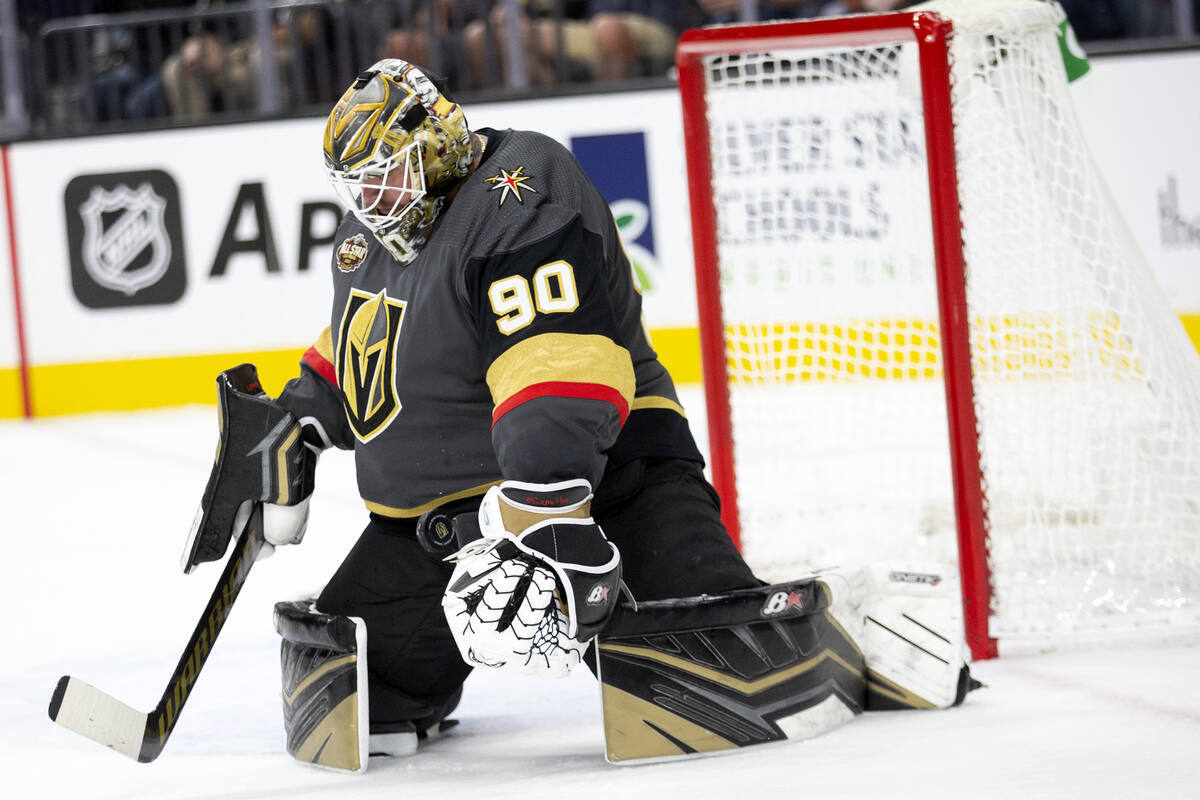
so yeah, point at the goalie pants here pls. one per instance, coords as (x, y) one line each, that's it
(662, 515)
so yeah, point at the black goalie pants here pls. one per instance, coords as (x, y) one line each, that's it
(661, 514)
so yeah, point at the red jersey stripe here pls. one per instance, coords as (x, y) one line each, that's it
(586, 391)
(321, 364)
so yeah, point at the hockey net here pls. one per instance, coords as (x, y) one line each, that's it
(1038, 421)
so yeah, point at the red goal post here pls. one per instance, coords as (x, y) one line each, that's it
(885, 204)
(929, 32)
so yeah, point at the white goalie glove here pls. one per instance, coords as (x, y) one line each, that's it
(540, 583)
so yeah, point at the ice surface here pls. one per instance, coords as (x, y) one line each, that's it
(96, 509)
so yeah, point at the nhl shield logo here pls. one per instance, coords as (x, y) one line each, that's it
(136, 227)
(125, 239)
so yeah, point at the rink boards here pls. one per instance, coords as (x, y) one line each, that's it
(136, 267)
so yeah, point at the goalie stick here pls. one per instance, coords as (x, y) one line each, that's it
(84, 709)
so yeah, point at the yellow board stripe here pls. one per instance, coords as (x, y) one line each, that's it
(679, 351)
(1191, 324)
(139, 383)
(561, 357)
(179, 380)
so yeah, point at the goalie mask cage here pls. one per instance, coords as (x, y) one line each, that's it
(927, 334)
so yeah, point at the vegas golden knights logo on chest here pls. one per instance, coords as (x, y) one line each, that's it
(366, 361)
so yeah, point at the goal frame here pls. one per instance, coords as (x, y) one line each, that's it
(931, 34)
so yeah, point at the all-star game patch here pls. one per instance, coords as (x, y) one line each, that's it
(351, 252)
(511, 182)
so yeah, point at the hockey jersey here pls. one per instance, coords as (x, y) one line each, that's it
(512, 347)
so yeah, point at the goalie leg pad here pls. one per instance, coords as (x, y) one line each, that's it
(721, 672)
(324, 662)
(912, 636)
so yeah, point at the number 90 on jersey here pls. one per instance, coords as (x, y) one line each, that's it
(516, 303)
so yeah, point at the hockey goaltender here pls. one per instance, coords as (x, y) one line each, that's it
(536, 498)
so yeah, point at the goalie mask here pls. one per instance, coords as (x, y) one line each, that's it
(394, 147)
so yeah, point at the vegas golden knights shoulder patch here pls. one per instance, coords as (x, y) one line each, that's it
(366, 361)
(511, 182)
(695, 676)
(323, 658)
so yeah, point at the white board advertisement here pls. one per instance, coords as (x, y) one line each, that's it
(1142, 124)
(215, 240)
(218, 239)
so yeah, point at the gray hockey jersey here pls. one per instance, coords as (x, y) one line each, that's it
(512, 347)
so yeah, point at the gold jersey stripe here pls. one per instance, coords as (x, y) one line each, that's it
(561, 358)
(324, 344)
(416, 511)
(652, 401)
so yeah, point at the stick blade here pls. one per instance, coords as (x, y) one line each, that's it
(84, 709)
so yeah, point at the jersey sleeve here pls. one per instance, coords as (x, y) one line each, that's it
(314, 396)
(561, 382)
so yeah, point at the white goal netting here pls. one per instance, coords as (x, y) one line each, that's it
(1087, 390)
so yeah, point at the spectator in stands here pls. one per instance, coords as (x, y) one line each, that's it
(485, 41)
(125, 83)
(838, 8)
(33, 14)
(194, 78)
(207, 76)
(304, 43)
(722, 12)
(1147, 17)
(115, 80)
(1100, 19)
(439, 45)
(601, 39)
(625, 38)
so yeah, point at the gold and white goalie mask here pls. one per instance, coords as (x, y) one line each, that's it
(394, 146)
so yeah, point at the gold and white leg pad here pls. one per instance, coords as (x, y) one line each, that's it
(324, 663)
(715, 673)
(910, 629)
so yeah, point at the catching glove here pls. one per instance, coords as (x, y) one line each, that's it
(540, 583)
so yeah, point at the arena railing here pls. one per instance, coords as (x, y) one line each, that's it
(262, 59)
